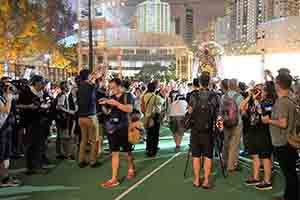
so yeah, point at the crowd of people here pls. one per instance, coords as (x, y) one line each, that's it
(89, 108)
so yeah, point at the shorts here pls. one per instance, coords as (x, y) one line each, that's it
(177, 125)
(202, 145)
(259, 143)
(119, 140)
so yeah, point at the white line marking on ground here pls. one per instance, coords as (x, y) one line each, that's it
(125, 193)
(155, 158)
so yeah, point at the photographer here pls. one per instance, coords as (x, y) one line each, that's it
(6, 127)
(203, 107)
(259, 145)
(120, 105)
(34, 107)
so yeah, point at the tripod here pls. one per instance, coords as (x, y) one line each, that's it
(218, 147)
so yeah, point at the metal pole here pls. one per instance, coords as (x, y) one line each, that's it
(91, 50)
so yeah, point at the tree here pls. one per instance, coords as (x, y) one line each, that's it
(26, 31)
(156, 71)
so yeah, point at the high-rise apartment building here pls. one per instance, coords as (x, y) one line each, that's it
(246, 16)
(154, 16)
(189, 25)
(223, 30)
(284, 8)
(228, 5)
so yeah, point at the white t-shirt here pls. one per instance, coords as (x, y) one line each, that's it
(62, 100)
(178, 108)
(4, 115)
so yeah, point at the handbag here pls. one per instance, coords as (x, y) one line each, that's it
(135, 132)
(148, 119)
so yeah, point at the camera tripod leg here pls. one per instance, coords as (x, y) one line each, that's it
(187, 162)
(219, 151)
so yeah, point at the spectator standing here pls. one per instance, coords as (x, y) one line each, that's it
(121, 104)
(259, 145)
(153, 105)
(31, 101)
(231, 101)
(6, 123)
(282, 123)
(88, 121)
(203, 107)
(64, 136)
(178, 109)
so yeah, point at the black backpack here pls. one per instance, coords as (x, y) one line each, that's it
(203, 111)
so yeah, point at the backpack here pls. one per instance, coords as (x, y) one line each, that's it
(203, 113)
(230, 111)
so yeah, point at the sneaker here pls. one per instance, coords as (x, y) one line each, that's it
(110, 184)
(264, 186)
(10, 182)
(252, 182)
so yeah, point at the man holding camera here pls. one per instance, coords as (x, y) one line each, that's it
(35, 109)
(203, 107)
(120, 104)
(6, 123)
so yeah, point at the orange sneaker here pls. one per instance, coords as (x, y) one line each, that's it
(110, 184)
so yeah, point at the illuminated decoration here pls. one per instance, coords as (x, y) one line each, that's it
(249, 68)
(208, 55)
(291, 61)
(154, 16)
(244, 68)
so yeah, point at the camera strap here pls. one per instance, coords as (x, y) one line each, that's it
(3, 100)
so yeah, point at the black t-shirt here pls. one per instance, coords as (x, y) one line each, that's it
(27, 97)
(252, 118)
(118, 115)
(87, 100)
